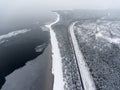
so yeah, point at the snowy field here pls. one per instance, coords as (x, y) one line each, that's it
(100, 44)
(56, 58)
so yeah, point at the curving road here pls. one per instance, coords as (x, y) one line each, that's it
(86, 78)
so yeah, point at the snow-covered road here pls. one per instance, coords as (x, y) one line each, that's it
(56, 57)
(86, 77)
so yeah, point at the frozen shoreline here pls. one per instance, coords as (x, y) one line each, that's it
(56, 58)
(12, 34)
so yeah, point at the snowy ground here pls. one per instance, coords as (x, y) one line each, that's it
(70, 71)
(100, 45)
(86, 77)
(57, 60)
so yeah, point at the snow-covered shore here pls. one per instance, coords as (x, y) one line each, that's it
(56, 58)
(12, 34)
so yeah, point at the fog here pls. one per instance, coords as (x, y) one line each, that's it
(60, 4)
(10, 6)
(10, 9)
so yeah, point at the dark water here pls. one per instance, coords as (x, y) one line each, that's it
(18, 50)
(35, 75)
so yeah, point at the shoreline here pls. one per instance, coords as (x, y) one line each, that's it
(49, 76)
(56, 58)
(35, 75)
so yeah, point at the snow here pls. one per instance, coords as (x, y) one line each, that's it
(57, 60)
(114, 40)
(40, 48)
(12, 34)
(86, 77)
(99, 34)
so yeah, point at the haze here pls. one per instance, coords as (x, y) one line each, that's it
(11, 8)
(24, 5)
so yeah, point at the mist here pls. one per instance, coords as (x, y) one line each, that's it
(12, 9)
(33, 6)
(16, 6)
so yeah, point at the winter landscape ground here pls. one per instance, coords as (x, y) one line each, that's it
(97, 34)
(70, 50)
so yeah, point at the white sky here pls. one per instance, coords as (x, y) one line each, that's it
(60, 4)
(16, 6)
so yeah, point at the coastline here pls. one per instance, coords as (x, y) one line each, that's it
(49, 76)
(35, 75)
(56, 58)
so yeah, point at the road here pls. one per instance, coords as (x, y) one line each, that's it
(87, 80)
